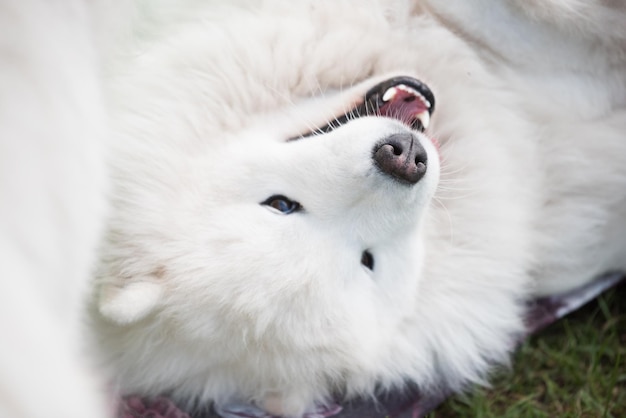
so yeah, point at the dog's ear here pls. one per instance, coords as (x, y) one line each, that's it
(131, 300)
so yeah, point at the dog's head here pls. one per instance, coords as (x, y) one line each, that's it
(291, 249)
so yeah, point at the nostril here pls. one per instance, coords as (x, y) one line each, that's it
(397, 149)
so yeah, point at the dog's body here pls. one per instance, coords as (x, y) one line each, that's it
(371, 276)
(52, 206)
(207, 294)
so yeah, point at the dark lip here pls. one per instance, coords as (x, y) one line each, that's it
(372, 101)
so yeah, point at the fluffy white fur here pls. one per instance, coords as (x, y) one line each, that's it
(205, 294)
(52, 206)
(208, 295)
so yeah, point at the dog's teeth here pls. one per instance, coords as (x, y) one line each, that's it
(424, 117)
(415, 93)
(389, 94)
(422, 98)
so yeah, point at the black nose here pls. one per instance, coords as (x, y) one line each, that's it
(402, 157)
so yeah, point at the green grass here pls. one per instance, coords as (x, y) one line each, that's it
(574, 368)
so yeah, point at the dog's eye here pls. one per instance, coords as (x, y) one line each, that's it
(367, 259)
(282, 204)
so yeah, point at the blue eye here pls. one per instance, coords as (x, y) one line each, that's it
(282, 204)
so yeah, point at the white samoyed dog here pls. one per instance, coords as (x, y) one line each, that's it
(314, 198)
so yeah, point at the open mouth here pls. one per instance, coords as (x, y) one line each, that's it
(402, 98)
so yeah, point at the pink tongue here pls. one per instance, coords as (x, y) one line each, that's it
(402, 106)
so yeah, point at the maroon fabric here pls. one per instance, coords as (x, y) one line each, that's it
(136, 407)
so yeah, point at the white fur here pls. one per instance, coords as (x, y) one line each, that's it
(52, 205)
(206, 294)
(243, 304)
